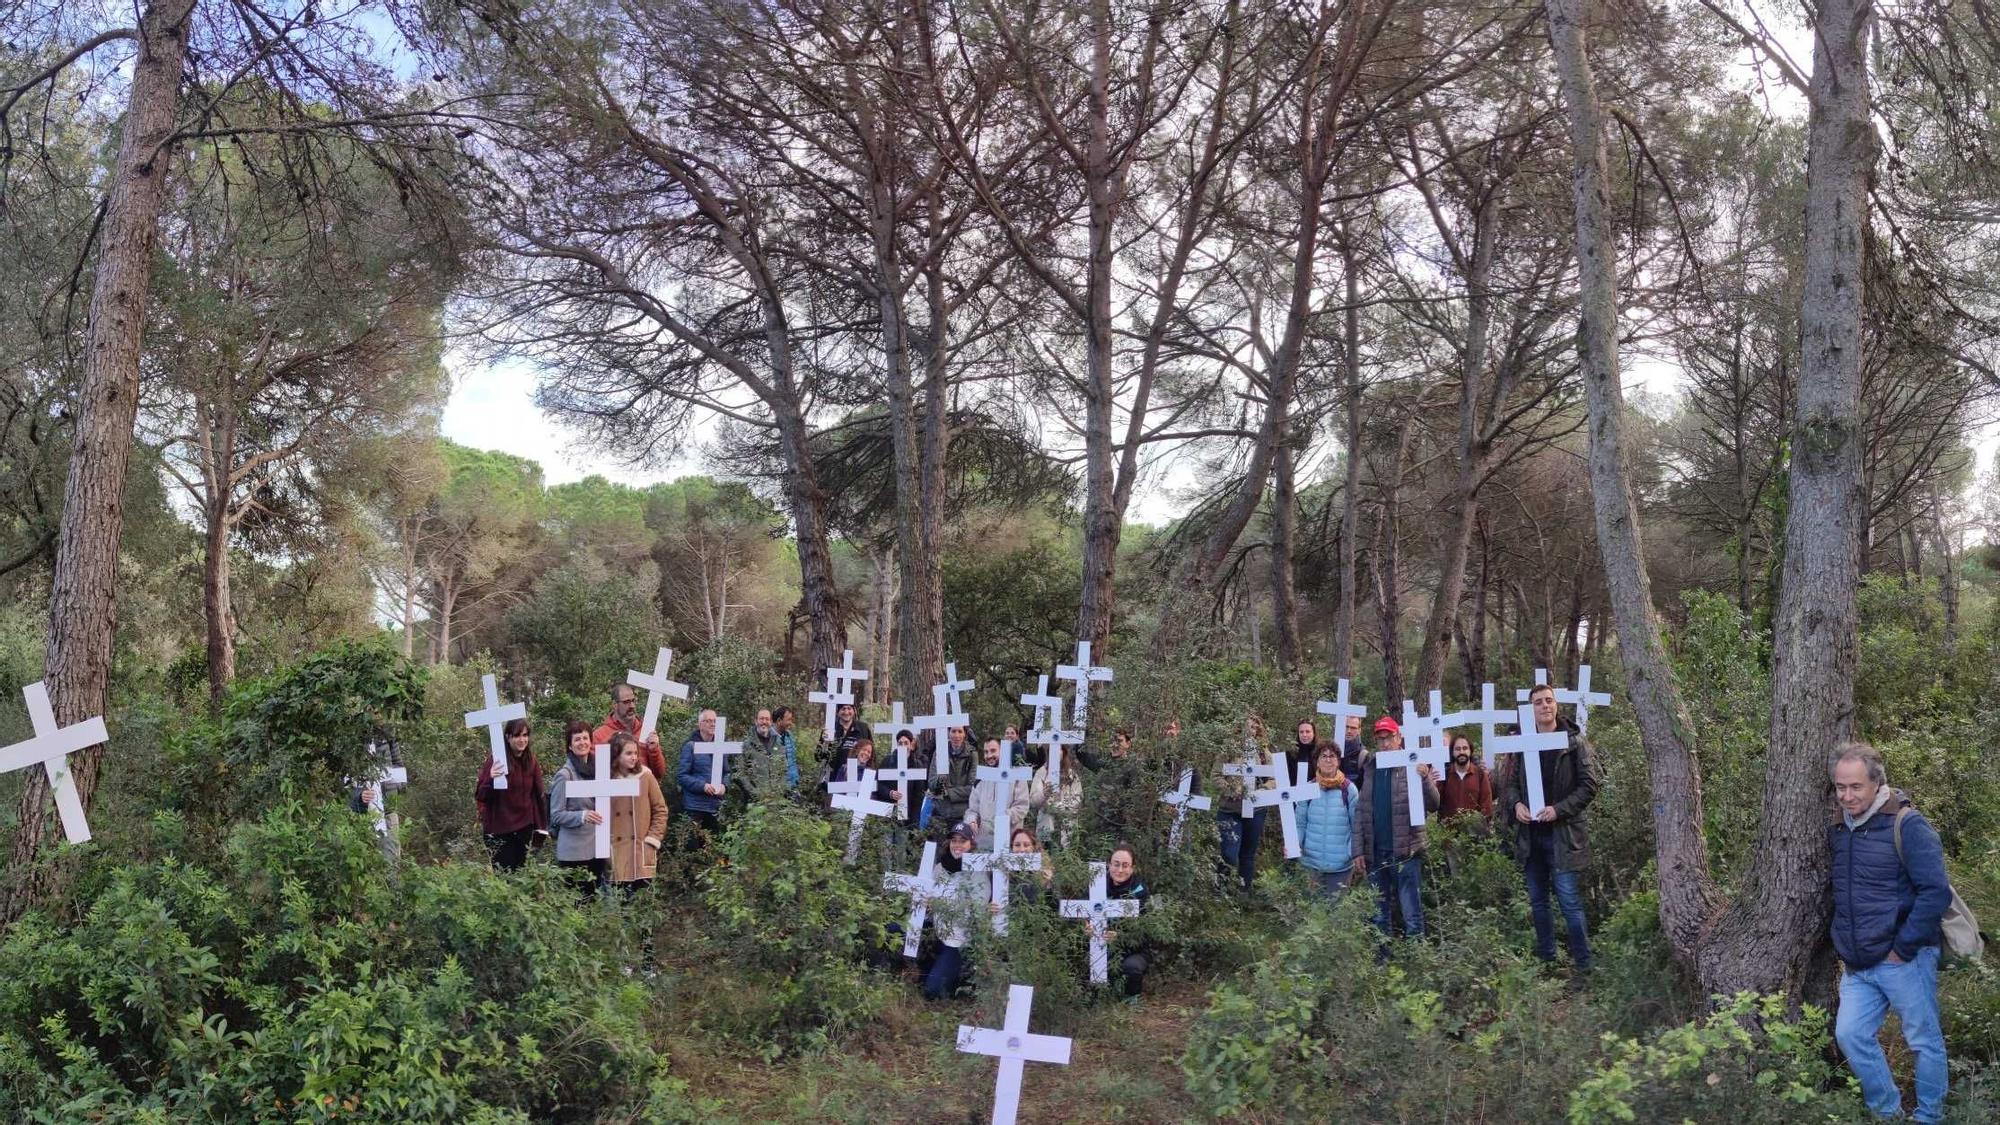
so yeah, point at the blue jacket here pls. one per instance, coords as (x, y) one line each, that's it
(1329, 829)
(694, 771)
(1880, 904)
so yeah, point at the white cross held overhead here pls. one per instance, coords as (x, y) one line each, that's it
(1096, 910)
(1583, 699)
(717, 750)
(1182, 798)
(1341, 710)
(944, 716)
(857, 796)
(602, 787)
(1083, 673)
(1529, 744)
(1045, 728)
(839, 689)
(902, 773)
(383, 776)
(1422, 736)
(955, 688)
(1013, 1046)
(998, 863)
(494, 718)
(1487, 716)
(1541, 677)
(1288, 794)
(1005, 775)
(50, 748)
(657, 684)
(921, 887)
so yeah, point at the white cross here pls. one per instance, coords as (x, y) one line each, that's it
(656, 684)
(833, 699)
(1249, 769)
(1096, 910)
(939, 722)
(1529, 743)
(50, 748)
(1541, 677)
(1045, 728)
(1005, 775)
(1285, 796)
(1013, 1046)
(1420, 748)
(1427, 732)
(998, 863)
(603, 787)
(1583, 698)
(494, 717)
(903, 773)
(717, 750)
(857, 796)
(1183, 799)
(1488, 716)
(384, 775)
(1341, 710)
(921, 887)
(954, 687)
(1083, 673)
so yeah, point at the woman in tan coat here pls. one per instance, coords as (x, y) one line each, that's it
(638, 824)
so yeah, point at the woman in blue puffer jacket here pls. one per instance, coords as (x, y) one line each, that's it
(1329, 827)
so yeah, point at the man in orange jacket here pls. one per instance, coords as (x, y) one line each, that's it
(625, 716)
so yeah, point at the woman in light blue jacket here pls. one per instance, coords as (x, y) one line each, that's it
(1329, 826)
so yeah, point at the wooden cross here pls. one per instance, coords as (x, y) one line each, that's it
(657, 684)
(1014, 1047)
(494, 718)
(50, 748)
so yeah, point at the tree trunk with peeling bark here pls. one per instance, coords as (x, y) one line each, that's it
(83, 606)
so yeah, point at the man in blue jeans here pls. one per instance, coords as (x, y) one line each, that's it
(1552, 843)
(1887, 928)
(1392, 847)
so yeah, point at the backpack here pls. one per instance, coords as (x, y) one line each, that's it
(1962, 938)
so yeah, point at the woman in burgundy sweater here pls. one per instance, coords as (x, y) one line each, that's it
(512, 817)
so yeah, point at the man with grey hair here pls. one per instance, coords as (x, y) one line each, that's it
(1888, 910)
(700, 796)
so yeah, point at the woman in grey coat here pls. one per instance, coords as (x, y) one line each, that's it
(574, 820)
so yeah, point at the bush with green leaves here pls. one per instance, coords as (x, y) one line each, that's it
(299, 981)
(1746, 1060)
(797, 923)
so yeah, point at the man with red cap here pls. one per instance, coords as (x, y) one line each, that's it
(1393, 848)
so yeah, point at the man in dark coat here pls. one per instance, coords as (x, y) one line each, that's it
(1552, 844)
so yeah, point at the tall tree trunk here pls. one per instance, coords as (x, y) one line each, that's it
(1103, 518)
(1350, 511)
(1687, 895)
(83, 605)
(1775, 934)
(1947, 567)
(1387, 558)
(927, 647)
(217, 610)
(1284, 539)
(819, 596)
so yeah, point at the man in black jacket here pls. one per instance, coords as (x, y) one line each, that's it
(1552, 844)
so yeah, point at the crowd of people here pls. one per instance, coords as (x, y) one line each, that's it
(1888, 883)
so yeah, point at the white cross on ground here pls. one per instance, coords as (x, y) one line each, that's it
(856, 796)
(1341, 710)
(921, 887)
(1045, 728)
(494, 718)
(602, 787)
(656, 684)
(1083, 673)
(50, 748)
(1529, 744)
(718, 750)
(1289, 793)
(1182, 798)
(1096, 910)
(1013, 1046)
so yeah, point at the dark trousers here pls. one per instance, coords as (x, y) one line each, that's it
(708, 825)
(1133, 969)
(947, 972)
(1240, 838)
(626, 892)
(1542, 876)
(510, 849)
(587, 875)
